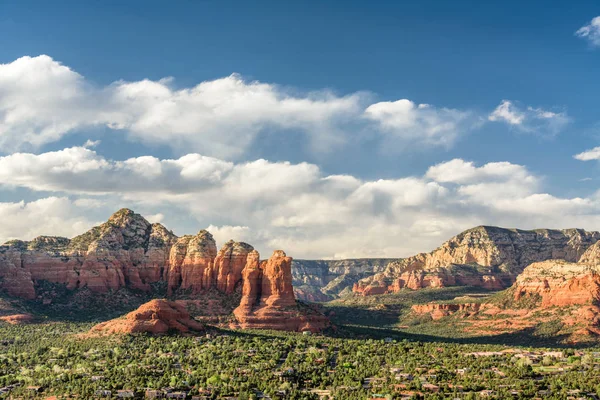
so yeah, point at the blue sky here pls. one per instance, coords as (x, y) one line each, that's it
(334, 60)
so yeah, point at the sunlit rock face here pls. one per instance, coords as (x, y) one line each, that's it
(268, 300)
(486, 257)
(156, 316)
(129, 252)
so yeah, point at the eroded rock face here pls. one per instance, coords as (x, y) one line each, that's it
(487, 257)
(156, 316)
(557, 291)
(129, 252)
(268, 300)
(559, 283)
(126, 251)
(229, 264)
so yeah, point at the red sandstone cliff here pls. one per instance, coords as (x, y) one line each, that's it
(486, 257)
(268, 300)
(156, 316)
(549, 291)
(129, 252)
(126, 251)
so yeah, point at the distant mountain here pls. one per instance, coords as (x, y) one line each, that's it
(484, 256)
(323, 280)
(555, 298)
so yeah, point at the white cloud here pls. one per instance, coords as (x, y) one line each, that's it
(588, 155)
(79, 170)
(530, 119)
(508, 113)
(465, 172)
(591, 32)
(55, 216)
(224, 233)
(406, 120)
(284, 205)
(42, 100)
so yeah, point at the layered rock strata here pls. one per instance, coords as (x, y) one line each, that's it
(484, 256)
(129, 252)
(126, 251)
(268, 300)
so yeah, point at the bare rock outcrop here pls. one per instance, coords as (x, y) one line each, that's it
(268, 300)
(564, 293)
(125, 252)
(156, 316)
(484, 256)
(559, 283)
(129, 252)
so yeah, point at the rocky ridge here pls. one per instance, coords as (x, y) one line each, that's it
(484, 256)
(127, 252)
(566, 293)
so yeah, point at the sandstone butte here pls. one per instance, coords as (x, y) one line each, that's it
(156, 316)
(268, 300)
(568, 291)
(486, 257)
(129, 252)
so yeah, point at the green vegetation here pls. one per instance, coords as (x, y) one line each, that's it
(53, 359)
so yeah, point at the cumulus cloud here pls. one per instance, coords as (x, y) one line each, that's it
(57, 216)
(285, 205)
(591, 32)
(530, 119)
(588, 155)
(406, 120)
(42, 100)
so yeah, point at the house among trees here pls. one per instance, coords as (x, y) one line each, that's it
(154, 394)
(125, 394)
(177, 395)
(103, 393)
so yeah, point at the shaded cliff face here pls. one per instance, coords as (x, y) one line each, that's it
(125, 252)
(324, 280)
(486, 257)
(268, 300)
(156, 316)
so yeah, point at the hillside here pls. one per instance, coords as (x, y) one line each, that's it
(484, 256)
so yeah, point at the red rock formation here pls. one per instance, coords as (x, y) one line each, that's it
(268, 300)
(440, 310)
(197, 265)
(17, 319)
(229, 265)
(129, 252)
(126, 251)
(484, 256)
(156, 316)
(554, 290)
(559, 283)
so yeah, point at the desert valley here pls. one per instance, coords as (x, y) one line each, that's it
(128, 289)
(299, 200)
